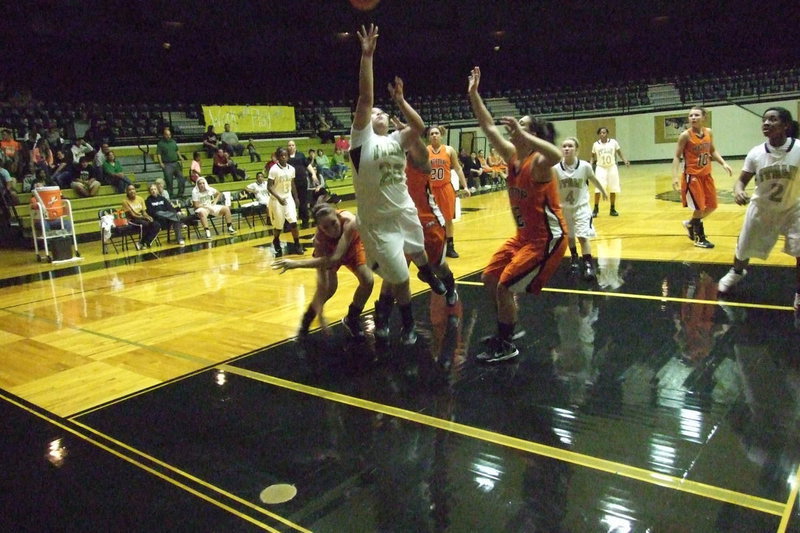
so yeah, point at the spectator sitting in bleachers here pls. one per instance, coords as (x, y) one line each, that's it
(60, 168)
(42, 155)
(164, 212)
(136, 212)
(162, 188)
(485, 168)
(230, 142)
(80, 148)
(338, 164)
(195, 170)
(210, 141)
(82, 179)
(112, 170)
(259, 189)
(100, 157)
(476, 177)
(11, 151)
(54, 138)
(223, 165)
(323, 129)
(7, 182)
(324, 165)
(344, 145)
(251, 150)
(204, 200)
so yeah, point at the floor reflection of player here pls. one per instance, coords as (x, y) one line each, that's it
(766, 422)
(447, 346)
(609, 254)
(696, 331)
(573, 357)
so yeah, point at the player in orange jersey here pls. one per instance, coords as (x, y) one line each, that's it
(443, 159)
(336, 243)
(526, 261)
(696, 147)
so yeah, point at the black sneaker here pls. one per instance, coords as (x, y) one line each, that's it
(408, 336)
(451, 297)
(353, 326)
(451, 252)
(278, 251)
(436, 285)
(299, 250)
(613, 212)
(588, 273)
(595, 212)
(498, 350)
(574, 267)
(703, 243)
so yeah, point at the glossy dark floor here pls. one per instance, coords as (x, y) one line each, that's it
(636, 409)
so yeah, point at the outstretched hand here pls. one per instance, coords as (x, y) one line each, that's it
(398, 125)
(396, 89)
(368, 38)
(513, 128)
(283, 265)
(474, 80)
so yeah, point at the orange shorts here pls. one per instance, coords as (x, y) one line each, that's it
(523, 266)
(354, 257)
(434, 241)
(698, 192)
(445, 197)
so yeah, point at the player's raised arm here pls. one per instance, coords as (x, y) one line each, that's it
(485, 120)
(366, 95)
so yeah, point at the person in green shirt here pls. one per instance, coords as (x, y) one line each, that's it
(338, 163)
(170, 160)
(112, 169)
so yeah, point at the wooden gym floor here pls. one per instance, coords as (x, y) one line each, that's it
(164, 390)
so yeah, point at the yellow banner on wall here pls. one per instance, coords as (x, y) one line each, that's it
(250, 118)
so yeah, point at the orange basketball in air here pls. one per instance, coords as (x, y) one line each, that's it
(364, 5)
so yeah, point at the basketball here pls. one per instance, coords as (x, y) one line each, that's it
(364, 5)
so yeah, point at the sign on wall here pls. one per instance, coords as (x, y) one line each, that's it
(250, 118)
(669, 127)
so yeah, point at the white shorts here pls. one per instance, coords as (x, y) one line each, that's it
(579, 221)
(387, 243)
(761, 229)
(278, 214)
(609, 177)
(213, 209)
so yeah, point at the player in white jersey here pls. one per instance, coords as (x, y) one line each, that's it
(574, 176)
(387, 217)
(775, 205)
(282, 201)
(604, 160)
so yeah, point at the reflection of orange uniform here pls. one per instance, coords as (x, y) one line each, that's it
(697, 181)
(526, 261)
(441, 185)
(697, 320)
(430, 216)
(354, 257)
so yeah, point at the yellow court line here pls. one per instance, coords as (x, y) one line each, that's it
(654, 297)
(197, 480)
(787, 513)
(140, 465)
(639, 474)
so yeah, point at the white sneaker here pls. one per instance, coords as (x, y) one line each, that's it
(231, 229)
(208, 233)
(730, 279)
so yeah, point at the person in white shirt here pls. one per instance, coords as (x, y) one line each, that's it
(282, 203)
(387, 216)
(574, 176)
(774, 208)
(259, 189)
(604, 159)
(204, 199)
